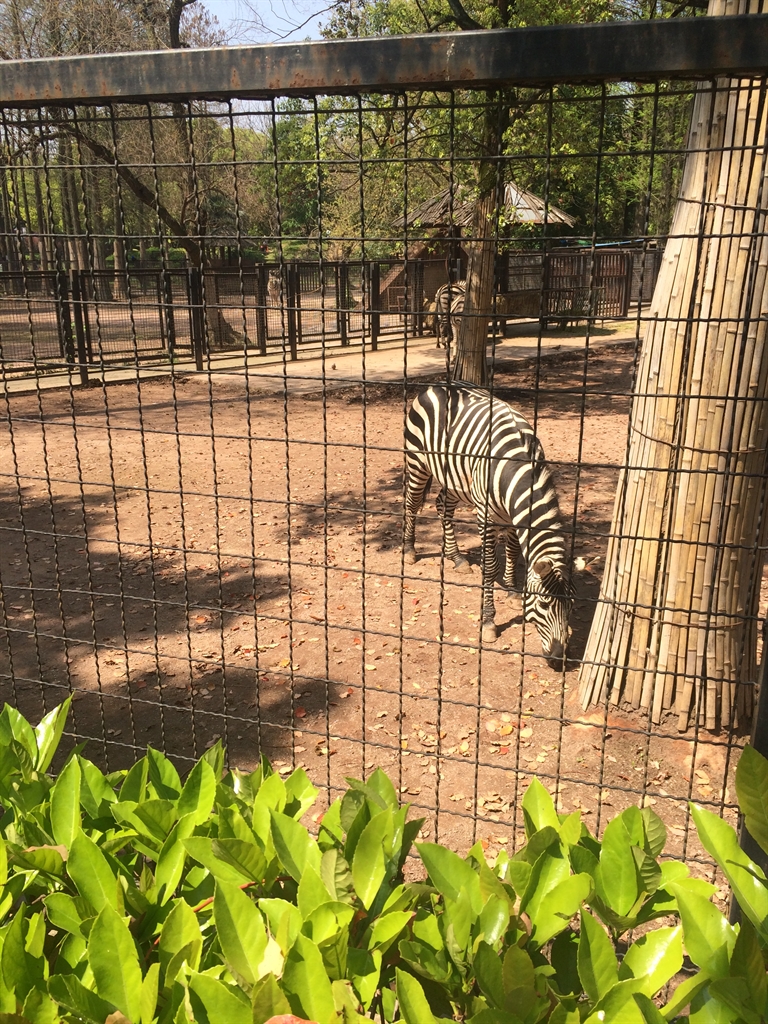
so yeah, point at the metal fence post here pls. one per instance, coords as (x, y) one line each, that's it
(373, 300)
(342, 301)
(76, 289)
(290, 302)
(64, 317)
(170, 323)
(196, 318)
(261, 288)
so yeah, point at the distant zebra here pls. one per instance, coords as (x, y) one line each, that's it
(482, 452)
(445, 297)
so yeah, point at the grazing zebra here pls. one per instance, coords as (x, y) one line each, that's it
(481, 451)
(445, 296)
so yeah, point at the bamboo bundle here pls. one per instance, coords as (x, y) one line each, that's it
(676, 620)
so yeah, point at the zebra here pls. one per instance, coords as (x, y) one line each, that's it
(445, 296)
(481, 451)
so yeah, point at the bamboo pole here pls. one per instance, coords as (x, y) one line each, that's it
(675, 626)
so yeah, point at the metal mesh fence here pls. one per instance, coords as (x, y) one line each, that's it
(214, 317)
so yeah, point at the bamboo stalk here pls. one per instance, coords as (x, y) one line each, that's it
(675, 625)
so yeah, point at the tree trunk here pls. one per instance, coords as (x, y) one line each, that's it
(676, 621)
(471, 363)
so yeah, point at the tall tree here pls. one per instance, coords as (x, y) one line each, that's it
(676, 621)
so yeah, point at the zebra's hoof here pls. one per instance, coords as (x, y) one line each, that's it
(490, 635)
(462, 565)
(409, 556)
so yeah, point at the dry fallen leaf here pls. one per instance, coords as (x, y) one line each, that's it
(491, 725)
(300, 712)
(526, 732)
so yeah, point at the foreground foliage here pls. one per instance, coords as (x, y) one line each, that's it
(136, 896)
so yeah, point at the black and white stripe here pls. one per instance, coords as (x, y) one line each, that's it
(445, 297)
(482, 452)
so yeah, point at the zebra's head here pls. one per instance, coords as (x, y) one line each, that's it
(547, 603)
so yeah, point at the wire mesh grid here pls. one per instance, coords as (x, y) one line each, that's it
(214, 318)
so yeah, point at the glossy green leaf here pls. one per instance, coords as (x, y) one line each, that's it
(648, 1009)
(388, 928)
(336, 875)
(597, 964)
(451, 874)
(268, 1000)
(284, 921)
(746, 879)
(550, 915)
(654, 958)
(312, 892)
(48, 734)
(240, 930)
(300, 793)
(181, 930)
(92, 874)
(539, 809)
(198, 793)
(369, 866)
(69, 992)
(69, 913)
(752, 791)
(39, 858)
(747, 963)
(551, 868)
(245, 857)
(655, 831)
(115, 964)
(617, 882)
(519, 982)
(96, 794)
(708, 937)
(149, 993)
(163, 775)
(488, 970)
(20, 971)
(295, 847)
(202, 849)
(306, 983)
(214, 1002)
(570, 829)
(170, 863)
(65, 804)
(14, 726)
(494, 918)
(734, 995)
(683, 994)
(413, 1003)
(364, 970)
(134, 785)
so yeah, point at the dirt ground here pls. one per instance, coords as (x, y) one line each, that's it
(200, 560)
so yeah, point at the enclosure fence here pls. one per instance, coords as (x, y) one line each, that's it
(216, 309)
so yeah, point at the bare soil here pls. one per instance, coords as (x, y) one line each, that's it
(200, 560)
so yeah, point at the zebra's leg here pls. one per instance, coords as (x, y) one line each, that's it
(417, 482)
(512, 552)
(488, 537)
(446, 506)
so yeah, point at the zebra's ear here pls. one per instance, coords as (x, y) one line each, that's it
(542, 567)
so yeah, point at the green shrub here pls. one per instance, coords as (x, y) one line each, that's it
(136, 896)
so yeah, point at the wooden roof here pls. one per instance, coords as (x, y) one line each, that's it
(520, 206)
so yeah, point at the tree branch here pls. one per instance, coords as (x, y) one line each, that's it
(462, 19)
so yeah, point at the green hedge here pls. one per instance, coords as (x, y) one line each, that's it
(136, 896)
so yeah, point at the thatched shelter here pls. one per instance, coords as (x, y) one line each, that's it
(520, 207)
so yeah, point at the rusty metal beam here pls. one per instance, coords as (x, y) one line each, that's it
(678, 48)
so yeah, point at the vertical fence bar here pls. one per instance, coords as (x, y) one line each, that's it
(196, 315)
(170, 322)
(291, 300)
(261, 287)
(76, 290)
(374, 300)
